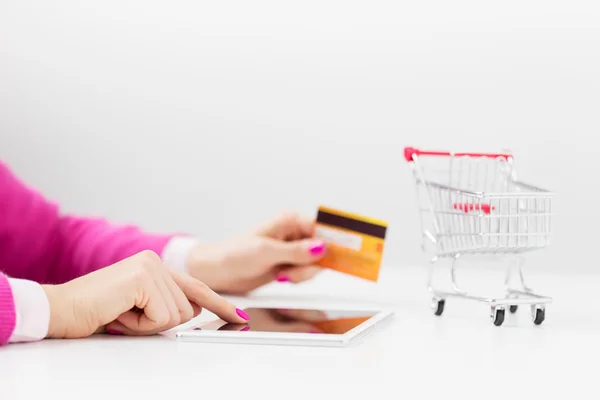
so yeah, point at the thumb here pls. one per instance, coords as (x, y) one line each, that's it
(297, 252)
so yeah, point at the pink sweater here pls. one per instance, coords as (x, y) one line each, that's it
(38, 243)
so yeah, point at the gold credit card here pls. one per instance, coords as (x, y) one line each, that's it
(354, 242)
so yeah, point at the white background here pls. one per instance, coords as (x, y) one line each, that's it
(208, 117)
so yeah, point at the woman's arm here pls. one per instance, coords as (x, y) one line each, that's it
(38, 243)
(165, 297)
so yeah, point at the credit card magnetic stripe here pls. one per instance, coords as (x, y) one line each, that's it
(356, 225)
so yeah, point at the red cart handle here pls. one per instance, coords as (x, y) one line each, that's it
(485, 208)
(409, 152)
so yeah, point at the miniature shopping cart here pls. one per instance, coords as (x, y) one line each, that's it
(473, 204)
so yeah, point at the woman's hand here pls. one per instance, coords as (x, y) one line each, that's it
(283, 250)
(137, 296)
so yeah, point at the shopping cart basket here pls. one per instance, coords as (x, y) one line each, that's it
(473, 204)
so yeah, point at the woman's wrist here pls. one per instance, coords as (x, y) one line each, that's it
(204, 263)
(56, 324)
(176, 253)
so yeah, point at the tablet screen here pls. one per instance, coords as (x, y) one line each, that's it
(294, 320)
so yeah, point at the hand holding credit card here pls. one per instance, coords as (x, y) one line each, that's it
(355, 243)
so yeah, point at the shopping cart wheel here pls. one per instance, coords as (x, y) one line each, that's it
(513, 309)
(497, 316)
(438, 306)
(538, 314)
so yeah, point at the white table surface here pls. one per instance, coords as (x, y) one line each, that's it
(415, 355)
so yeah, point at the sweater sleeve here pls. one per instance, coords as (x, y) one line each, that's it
(38, 243)
(8, 317)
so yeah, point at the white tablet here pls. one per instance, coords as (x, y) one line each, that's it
(293, 326)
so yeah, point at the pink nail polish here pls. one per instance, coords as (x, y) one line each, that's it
(283, 278)
(246, 329)
(317, 248)
(113, 332)
(242, 314)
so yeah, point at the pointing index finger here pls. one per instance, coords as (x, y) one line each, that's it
(199, 293)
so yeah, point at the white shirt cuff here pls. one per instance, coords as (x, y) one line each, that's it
(177, 251)
(33, 311)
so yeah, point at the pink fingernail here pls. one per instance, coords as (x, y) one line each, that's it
(113, 332)
(245, 329)
(242, 314)
(283, 278)
(317, 248)
(315, 332)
